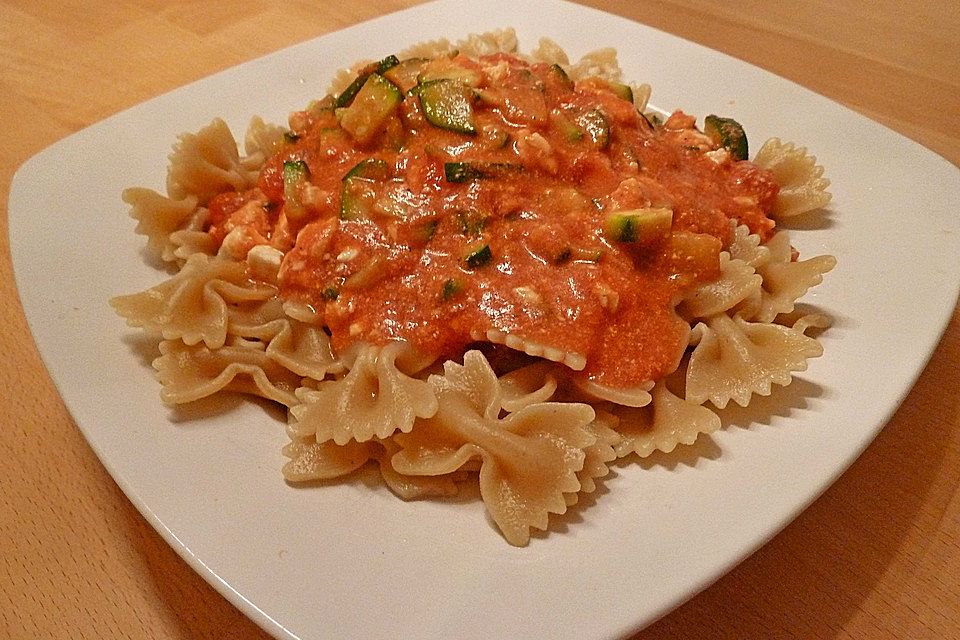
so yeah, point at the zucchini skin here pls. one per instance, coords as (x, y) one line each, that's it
(477, 256)
(357, 183)
(448, 104)
(729, 134)
(470, 171)
(295, 173)
(371, 168)
(451, 288)
(596, 126)
(346, 98)
(638, 226)
(373, 104)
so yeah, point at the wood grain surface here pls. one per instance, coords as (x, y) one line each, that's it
(876, 557)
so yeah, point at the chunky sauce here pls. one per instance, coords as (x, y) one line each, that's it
(520, 248)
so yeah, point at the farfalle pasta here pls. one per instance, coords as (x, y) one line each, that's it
(373, 400)
(470, 265)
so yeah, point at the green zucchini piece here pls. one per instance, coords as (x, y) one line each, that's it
(346, 98)
(295, 173)
(638, 226)
(404, 74)
(357, 190)
(425, 231)
(371, 168)
(727, 133)
(447, 69)
(560, 76)
(622, 91)
(477, 255)
(469, 171)
(577, 254)
(653, 119)
(596, 126)
(374, 103)
(324, 105)
(493, 137)
(567, 127)
(386, 64)
(448, 104)
(451, 288)
(471, 223)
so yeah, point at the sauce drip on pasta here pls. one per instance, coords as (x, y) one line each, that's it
(489, 200)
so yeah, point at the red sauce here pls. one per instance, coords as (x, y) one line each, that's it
(553, 276)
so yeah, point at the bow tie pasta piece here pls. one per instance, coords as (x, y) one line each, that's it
(784, 281)
(747, 246)
(802, 185)
(576, 361)
(192, 305)
(206, 163)
(259, 143)
(666, 422)
(433, 448)
(311, 460)
(529, 459)
(737, 282)
(638, 396)
(414, 487)
(304, 349)
(735, 359)
(374, 399)
(259, 321)
(191, 372)
(474, 381)
(529, 465)
(491, 42)
(301, 347)
(597, 455)
(192, 239)
(158, 217)
(527, 385)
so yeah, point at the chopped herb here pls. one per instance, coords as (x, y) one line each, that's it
(330, 293)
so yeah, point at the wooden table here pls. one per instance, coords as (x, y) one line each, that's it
(878, 556)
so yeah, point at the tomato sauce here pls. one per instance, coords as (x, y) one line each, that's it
(520, 245)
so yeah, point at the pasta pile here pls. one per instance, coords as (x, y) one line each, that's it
(507, 412)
